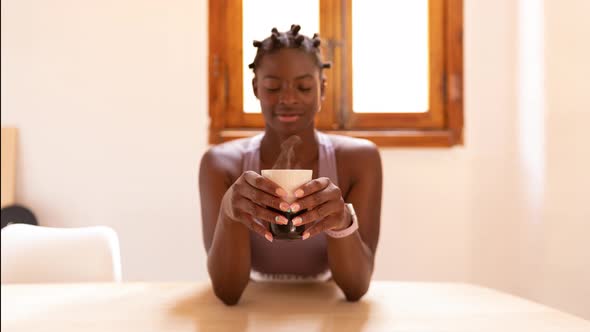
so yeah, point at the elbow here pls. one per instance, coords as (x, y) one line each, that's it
(353, 297)
(354, 288)
(228, 286)
(229, 291)
(229, 275)
(227, 296)
(354, 294)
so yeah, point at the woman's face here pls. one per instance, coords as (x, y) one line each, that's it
(290, 90)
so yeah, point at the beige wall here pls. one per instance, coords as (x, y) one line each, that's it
(111, 101)
(554, 261)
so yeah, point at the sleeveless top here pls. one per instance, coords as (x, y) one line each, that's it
(295, 260)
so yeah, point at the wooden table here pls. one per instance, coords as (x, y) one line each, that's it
(389, 306)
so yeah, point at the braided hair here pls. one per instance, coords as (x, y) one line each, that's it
(288, 39)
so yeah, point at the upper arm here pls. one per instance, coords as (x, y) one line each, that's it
(214, 181)
(366, 190)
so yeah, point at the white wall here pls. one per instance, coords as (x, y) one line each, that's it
(111, 101)
(554, 251)
(532, 238)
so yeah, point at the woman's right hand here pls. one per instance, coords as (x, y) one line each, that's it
(248, 201)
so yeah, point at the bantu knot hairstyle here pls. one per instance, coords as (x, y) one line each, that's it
(288, 39)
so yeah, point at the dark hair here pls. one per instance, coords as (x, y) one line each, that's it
(289, 39)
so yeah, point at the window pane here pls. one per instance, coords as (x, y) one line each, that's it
(259, 17)
(390, 56)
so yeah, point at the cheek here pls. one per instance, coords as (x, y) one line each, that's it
(263, 93)
(313, 99)
(268, 100)
(268, 105)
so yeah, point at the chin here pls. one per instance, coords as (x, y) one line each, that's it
(289, 129)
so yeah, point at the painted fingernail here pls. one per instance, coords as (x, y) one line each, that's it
(297, 221)
(295, 207)
(284, 206)
(281, 192)
(268, 236)
(305, 235)
(298, 193)
(281, 220)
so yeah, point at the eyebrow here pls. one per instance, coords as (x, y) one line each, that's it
(297, 78)
(304, 76)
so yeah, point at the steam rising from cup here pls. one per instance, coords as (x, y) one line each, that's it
(286, 159)
(287, 174)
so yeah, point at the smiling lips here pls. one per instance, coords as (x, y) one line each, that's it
(288, 117)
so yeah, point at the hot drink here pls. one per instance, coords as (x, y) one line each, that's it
(289, 231)
(290, 180)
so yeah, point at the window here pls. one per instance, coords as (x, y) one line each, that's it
(396, 76)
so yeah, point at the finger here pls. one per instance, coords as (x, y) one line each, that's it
(256, 227)
(258, 212)
(312, 186)
(331, 193)
(319, 227)
(264, 184)
(262, 198)
(319, 213)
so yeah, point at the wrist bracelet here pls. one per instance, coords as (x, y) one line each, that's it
(347, 231)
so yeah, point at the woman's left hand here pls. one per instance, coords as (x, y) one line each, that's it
(325, 207)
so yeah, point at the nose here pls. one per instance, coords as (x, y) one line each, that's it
(287, 96)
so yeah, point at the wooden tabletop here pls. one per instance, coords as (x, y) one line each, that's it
(388, 306)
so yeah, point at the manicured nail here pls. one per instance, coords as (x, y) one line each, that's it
(281, 192)
(305, 235)
(297, 221)
(284, 207)
(295, 207)
(281, 220)
(298, 193)
(268, 236)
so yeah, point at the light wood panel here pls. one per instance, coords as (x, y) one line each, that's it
(9, 136)
(388, 306)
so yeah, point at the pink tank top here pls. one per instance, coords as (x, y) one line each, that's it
(298, 259)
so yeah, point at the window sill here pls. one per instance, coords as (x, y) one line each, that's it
(382, 138)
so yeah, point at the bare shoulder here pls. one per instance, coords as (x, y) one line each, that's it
(360, 176)
(354, 149)
(354, 157)
(225, 158)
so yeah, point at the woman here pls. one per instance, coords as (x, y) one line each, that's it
(238, 204)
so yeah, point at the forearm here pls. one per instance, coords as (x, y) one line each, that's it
(351, 263)
(228, 260)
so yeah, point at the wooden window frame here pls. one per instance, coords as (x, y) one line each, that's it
(440, 126)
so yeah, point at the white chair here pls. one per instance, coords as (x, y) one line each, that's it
(37, 254)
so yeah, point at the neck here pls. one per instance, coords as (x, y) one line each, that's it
(306, 152)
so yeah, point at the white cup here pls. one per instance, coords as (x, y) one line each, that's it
(288, 179)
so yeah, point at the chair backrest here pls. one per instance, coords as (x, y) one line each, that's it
(37, 254)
